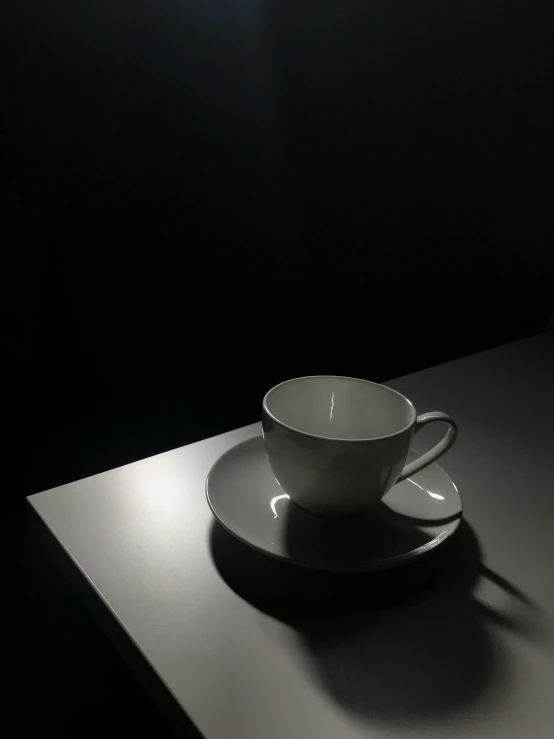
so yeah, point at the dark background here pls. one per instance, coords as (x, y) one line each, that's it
(202, 198)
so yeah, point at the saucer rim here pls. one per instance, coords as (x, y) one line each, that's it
(376, 566)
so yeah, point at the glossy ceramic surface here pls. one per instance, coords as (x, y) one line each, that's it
(416, 516)
(344, 408)
(337, 444)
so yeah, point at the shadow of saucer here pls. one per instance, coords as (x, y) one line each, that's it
(396, 645)
(289, 590)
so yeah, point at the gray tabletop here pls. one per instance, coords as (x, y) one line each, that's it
(461, 645)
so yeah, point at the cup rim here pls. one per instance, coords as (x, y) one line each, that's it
(334, 438)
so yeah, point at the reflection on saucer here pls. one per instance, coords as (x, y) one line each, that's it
(274, 501)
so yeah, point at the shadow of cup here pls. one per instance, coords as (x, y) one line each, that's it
(391, 645)
(378, 536)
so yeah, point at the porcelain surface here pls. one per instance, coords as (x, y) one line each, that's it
(414, 517)
(338, 444)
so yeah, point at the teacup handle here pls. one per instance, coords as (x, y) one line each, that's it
(438, 450)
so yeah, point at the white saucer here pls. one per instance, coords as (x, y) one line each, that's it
(415, 516)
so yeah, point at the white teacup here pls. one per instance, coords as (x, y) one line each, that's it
(336, 444)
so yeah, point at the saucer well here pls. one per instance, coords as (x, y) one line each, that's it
(414, 517)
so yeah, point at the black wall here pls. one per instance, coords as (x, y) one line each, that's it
(252, 189)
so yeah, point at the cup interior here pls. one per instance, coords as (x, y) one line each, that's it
(339, 408)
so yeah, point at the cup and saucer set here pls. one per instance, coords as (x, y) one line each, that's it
(333, 483)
